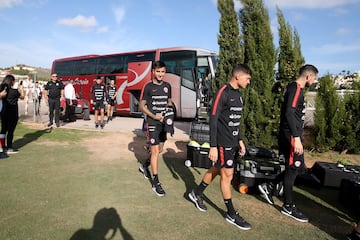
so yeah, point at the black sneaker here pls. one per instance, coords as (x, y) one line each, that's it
(266, 190)
(145, 171)
(292, 211)
(197, 199)
(354, 235)
(11, 151)
(50, 124)
(238, 221)
(96, 125)
(102, 125)
(156, 187)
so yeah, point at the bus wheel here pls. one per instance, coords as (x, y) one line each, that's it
(86, 114)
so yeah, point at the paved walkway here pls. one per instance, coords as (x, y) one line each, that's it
(119, 123)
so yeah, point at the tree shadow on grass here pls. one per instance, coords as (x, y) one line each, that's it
(106, 224)
(175, 161)
(30, 137)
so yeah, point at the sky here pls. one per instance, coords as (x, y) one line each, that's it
(35, 32)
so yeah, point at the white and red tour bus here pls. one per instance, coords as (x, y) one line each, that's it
(188, 70)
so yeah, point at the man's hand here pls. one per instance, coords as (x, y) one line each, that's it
(298, 148)
(242, 149)
(159, 117)
(213, 154)
(3, 93)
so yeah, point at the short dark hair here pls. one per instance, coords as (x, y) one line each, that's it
(8, 79)
(241, 68)
(158, 64)
(308, 68)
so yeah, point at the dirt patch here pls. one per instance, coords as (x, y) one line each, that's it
(52, 143)
(113, 146)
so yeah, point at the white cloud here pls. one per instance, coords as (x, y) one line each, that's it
(81, 22)
(309, 3)
(9, 3)
(328, 49)
(344, 31)
(119, 13)
(103, 29)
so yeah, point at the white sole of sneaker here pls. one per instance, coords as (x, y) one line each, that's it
(265, 195)
(242, 228)
(196, 204)
(158, 194)
(297, 219)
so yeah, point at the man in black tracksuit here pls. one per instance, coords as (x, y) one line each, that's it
(55, 92)
(290, 140)
(225, 141)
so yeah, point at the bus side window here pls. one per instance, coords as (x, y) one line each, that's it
(187, 78)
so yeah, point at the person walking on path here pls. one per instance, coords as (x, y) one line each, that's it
(111, 96)
(290, 141)
(37, 96)
(155, 98)
(225, 142)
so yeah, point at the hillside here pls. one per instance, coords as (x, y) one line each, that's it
(42, 74)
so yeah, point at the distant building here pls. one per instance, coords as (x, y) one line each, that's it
(23, 67)
(345, 80)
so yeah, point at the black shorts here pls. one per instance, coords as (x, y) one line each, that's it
(156, 134)
(111, 102)
(99, 105)
(226, 157)
(286, 148)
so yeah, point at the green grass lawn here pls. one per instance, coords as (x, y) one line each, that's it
(54, 188)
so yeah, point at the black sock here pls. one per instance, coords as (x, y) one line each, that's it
(229, 206)
(201, 188)
(156, 178)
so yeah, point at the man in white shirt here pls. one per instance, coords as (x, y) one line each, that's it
(27, 88)
(37, 95)
(70, 98)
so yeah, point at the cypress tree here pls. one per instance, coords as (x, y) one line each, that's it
(329, 115)
(298, 57)
(230, 52)
(259, 122)
(350, 129)
(287, 68)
